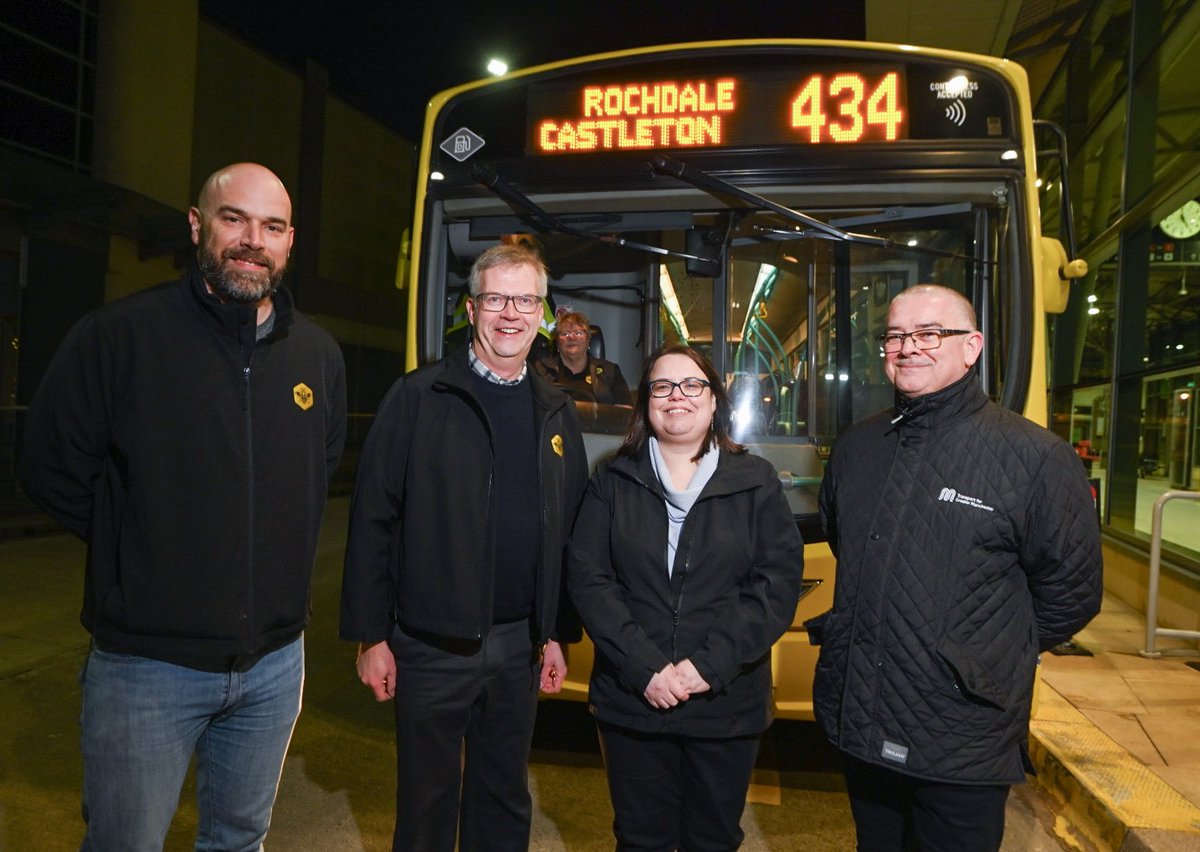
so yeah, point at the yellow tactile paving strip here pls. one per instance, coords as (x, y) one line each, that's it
(1107, 790)
(1115, 737)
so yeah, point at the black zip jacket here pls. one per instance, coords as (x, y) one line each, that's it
(733, 592)
(967, 541)
(195, 463)
(420, 544)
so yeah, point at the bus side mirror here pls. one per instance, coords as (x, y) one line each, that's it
(1057, 274)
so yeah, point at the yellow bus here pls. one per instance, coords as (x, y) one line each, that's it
(762, 201)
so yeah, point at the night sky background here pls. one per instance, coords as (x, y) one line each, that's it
(388, 57)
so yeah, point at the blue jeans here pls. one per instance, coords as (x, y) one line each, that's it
(143, 719)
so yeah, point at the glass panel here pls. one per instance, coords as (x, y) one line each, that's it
(35, 124)
(1095, 358)
(50, 21)
(37, 69)
(1170, 440)
(784, 375)
(789, 316)
(781, 340)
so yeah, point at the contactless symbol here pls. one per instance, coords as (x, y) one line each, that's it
(303, 396)
(956, 112)
(462, 144)
(556, 444)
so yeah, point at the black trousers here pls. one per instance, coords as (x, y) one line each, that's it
(894, 812)
(464, 724)
(671, 792)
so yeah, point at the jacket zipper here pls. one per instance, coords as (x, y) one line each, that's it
(246, 617)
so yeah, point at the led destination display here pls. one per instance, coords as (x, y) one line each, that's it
(812, 105)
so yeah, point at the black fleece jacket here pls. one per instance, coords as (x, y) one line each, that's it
(194, 461)
(424, 515)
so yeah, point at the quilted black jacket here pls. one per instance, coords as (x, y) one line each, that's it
(967, 541)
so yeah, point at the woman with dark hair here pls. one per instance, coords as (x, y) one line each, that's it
(685, 566)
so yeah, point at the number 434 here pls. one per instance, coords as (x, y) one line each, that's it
(854, 112)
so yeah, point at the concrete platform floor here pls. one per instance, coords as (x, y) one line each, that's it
(337, 787)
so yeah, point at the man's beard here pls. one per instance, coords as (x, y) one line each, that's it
(239, 285)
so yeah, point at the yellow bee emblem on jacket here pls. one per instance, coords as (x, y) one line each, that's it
(303, 396)
(556, 444)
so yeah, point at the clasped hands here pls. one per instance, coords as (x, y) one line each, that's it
(676, 682)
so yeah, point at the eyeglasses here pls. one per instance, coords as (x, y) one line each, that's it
(688, 387)
(524, 304)
(926, 338)
(576, 333)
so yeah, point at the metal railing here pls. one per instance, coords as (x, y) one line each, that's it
(1153, 631)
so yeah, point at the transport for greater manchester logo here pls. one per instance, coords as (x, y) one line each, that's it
(950, 495)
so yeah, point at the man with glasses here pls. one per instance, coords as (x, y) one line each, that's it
(467, 486)
(967, 543)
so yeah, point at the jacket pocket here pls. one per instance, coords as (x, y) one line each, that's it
(972, 679)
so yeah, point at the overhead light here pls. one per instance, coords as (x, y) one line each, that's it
(1010, 154)
(436, 176)
(1092, 311)
(1091, 297)
(497, 67)
(913, 241)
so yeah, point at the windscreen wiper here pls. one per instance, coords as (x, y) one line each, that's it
(547, 221)
(717, 186)
(810, 225)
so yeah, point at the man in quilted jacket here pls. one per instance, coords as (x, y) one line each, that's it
(967, 543)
